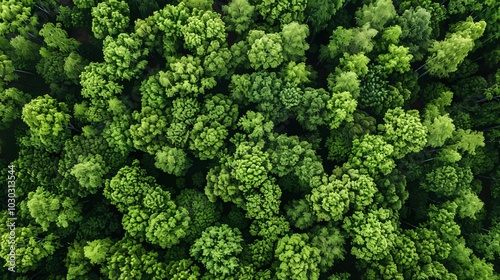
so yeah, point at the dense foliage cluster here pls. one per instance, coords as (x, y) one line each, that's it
(251, 139)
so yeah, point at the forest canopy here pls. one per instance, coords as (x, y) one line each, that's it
(250, 139)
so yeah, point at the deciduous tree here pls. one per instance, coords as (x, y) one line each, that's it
(298, 259)
(218, 249)
(238, 15)
(110, 17)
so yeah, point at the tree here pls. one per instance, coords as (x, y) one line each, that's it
(291, 96)
(82, 154)
(397, 60)
(486, 244)
(239, 55)
(298, 259)
(377, 14)
(362, 39)
(266, 51)
(254, 125)
(185, 78)
(221, 184)
(300, 213)
(56, 37)
(37, 246)
(293, 36)
(376, 95)
(313, 113)
(469, 204)
(76, 263)
(168, 21)
(219, 108)
(110, 17)
(467, 140)
(321, 11)
(468, 28)
(215, 62)
(341, 81)
(445, 180)
(202, 212)
(135, 221)
(183, 269)
(296, 73)
(124, 56)
(48, 208)
(128, 186)
(117, 134)
(329, 201)
(152, 93)
(12, 100)
(85, 4)
(392, 191)
(404, 252)
(265, 202)
(90, 171)
(440, 130)
(362, 189)
(18, 18)
(95, 83)
(353, 40)
(48, 120)
(372, 154)
(286, 153)
(271, 229)
(51, 68)
(260, 88)
(218, 249)
(203, 32)
(97, 251)
(356, 63)
(250, 165)
(207, 138)
(36, 167)
(447, 54)
(416, 30)
(238, 15)
(390, 36)
(373, 234)
(25, 53)
(148, 133)
(442, 180)
(340, 108)
(172, 160)
(127, 259)
(74, 65)
(330, 242)
(261, 252)
(282, 11)
(464, 264)
(339, 143)
(339, 41)
(168, 227)
(463, 6)
(404, 131)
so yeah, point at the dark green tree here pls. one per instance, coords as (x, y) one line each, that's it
(11, 102)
